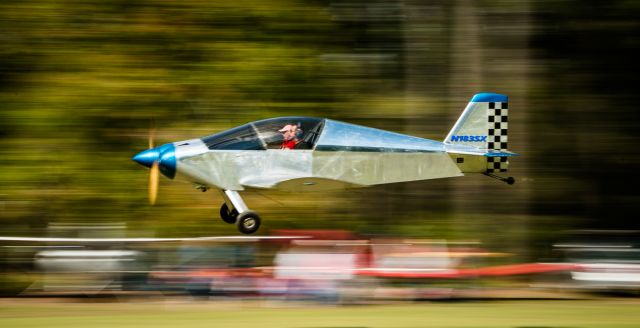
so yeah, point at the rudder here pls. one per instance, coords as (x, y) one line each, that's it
(498, 120)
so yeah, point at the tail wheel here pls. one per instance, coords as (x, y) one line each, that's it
(248, 222)
(227, 215)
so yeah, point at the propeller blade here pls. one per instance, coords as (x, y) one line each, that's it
(154, 171)
(154, 175)
(152, 134)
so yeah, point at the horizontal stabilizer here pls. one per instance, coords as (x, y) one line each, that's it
(466, 150)
(500, 153)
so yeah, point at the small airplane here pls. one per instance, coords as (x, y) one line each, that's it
(312, 154)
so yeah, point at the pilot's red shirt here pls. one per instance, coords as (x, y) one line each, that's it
(288, 144)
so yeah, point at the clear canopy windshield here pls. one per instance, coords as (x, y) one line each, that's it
(275, 133)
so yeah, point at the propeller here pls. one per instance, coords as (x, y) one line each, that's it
(160, 159)
(154, 172)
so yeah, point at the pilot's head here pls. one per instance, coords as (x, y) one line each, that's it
(288, 131)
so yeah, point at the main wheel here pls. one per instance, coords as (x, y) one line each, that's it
(248, 222)
(228, 216)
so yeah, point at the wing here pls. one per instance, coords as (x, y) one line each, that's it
(299, 184)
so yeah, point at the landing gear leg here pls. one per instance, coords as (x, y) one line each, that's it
(234, 210)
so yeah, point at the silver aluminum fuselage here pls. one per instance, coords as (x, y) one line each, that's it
(298, 170)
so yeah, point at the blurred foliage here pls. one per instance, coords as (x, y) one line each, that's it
(81, 81)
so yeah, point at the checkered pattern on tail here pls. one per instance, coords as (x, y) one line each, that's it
(497, 136)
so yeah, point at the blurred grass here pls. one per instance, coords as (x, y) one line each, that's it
(583, 314)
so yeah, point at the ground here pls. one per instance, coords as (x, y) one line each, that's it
(610, 313)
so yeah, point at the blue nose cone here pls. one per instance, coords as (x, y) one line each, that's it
(165, 155)
(147, 157)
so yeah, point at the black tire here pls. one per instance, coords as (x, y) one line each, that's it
(228, 216)
(248, 222)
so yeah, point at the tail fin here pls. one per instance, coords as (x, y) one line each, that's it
(483, 125)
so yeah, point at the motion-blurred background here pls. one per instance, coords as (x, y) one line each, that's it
(82, 81)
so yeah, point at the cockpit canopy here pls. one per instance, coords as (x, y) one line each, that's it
(276, 133)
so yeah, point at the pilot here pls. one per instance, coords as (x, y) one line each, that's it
(291, 134)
